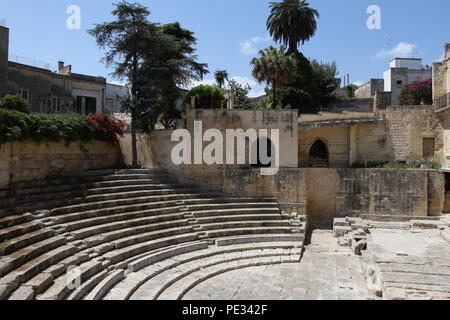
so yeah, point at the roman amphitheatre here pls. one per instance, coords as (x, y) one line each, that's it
(358, 208)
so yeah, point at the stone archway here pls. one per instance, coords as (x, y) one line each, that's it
(319, 155)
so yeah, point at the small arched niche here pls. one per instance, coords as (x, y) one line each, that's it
(319, 156)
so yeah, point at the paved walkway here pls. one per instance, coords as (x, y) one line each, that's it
(326, 272)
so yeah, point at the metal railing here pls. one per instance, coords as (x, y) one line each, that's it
(442, 102)
(30, 62)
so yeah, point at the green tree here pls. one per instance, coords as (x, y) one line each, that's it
(128, 40)
(221, 76)
(164, 72)
(207, 97)
(240, 94)
(273, 67)
(14, 102)
(292, 22)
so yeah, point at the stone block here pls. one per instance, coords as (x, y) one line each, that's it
(340, 231)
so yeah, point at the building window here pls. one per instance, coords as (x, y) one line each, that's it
(399, 84)
(25, 93)
(429, 148)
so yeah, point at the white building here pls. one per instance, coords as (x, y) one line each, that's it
(401, 72)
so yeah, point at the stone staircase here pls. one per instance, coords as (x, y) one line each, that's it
(107, 234)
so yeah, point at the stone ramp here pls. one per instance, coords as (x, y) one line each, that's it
(411, 266)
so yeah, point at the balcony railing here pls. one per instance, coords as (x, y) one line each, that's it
(442, 102)
(30, 62)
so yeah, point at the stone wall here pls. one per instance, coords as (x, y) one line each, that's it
(368, 89)
(26, 161)
(324, 194)
(4, 47)
(408, 126)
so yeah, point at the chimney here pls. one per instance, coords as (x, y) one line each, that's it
(4, 48)
(64, 70)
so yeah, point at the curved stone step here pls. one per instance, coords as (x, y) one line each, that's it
(248, 231)
(235, 211)
(97, 226)
(29, 270)
(240, 217)
(245, 224)
(129, 236)
(156, 242)
(14, 220)
(161, 283)
(296, 239)
(150, 266)
(18, 230)
(117, 203)
(22, 256)
(173, 292)
(20, 242)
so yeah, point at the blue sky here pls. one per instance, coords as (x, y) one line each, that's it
(229, 32)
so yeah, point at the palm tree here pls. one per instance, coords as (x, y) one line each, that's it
(274, 67)
(292, 22)
(221, 76)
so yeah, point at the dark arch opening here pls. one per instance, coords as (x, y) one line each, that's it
(318, 154)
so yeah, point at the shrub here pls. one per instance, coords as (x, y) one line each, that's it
(14, 102)
(108, 128)
(417, 93)
(208, 97)
(18, 126)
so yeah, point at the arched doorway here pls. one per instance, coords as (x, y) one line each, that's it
(319, 155)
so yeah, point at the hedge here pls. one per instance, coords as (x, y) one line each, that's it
(18, 126)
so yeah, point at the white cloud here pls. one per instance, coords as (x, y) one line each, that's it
(402, 50)
(248, 47)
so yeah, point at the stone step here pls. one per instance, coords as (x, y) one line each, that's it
(101, 289)
(213, 205)
(240, 217)
(122, 202)
(70, 281)
(22, 256)
(235, 211)
(12, 245)
(92, 222)
(148, 233)
(106, 226)
(117, 210)
(161, 264)
(33, 267)
(10, 221)
(296, 240)
(137, 187)
(166, 280)
(248, 231)
(186, 284)
(156, 243)
(245, 224)
(130, 235)
(88, 286)
(18, 230)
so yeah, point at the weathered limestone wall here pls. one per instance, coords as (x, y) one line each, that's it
(28, 161)
(283, 120)
(322, 194)
(407, 128)
(368, 89)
